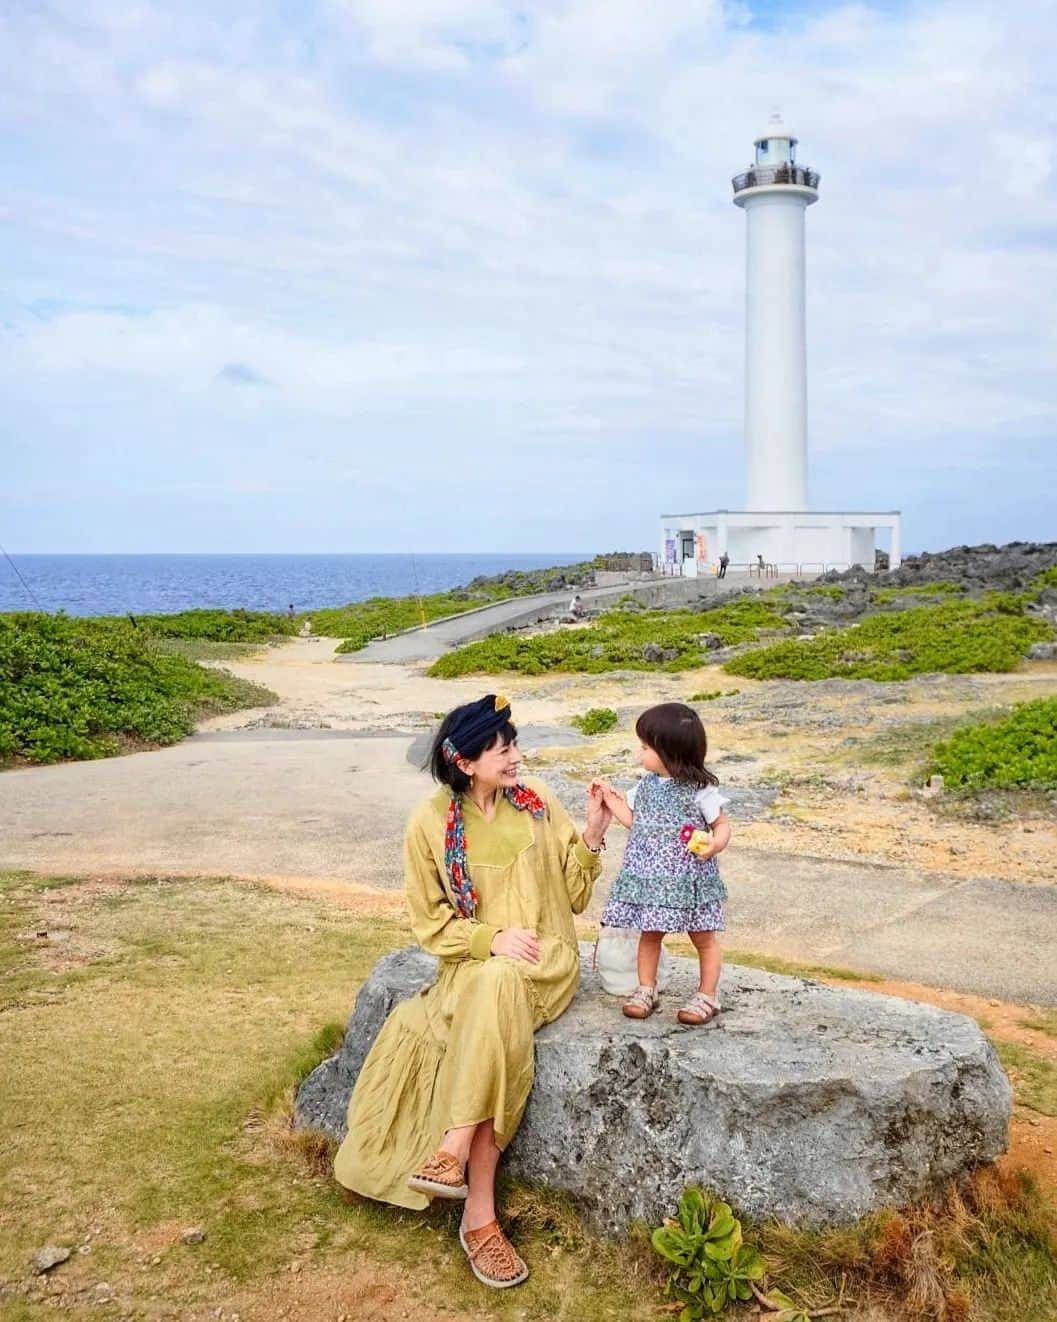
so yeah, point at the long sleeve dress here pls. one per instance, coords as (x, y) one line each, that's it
(461, 1051)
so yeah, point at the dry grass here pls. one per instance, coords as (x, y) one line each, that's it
(152, 1044)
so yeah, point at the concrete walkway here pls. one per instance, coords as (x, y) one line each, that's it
(426, 644)
(331, 805)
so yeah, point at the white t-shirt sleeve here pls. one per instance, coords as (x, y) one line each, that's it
(630, 796)
(710, 803)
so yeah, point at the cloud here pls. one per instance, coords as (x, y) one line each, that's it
(457, 227)
(239, 374)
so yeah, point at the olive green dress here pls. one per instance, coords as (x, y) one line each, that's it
(461, 1052)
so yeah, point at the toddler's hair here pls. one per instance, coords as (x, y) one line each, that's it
(675, 733)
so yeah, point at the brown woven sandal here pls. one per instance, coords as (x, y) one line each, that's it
(493, 1259)
(443, 1176)
(699, 1010)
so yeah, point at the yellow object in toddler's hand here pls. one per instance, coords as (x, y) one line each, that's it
(697, 841)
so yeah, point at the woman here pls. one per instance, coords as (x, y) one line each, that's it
(494, 873)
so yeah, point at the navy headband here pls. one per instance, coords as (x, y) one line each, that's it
(474, 725)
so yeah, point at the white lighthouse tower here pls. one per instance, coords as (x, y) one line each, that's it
(776, 535)
(775, 193)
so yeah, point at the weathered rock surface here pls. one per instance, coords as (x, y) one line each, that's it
(802, 1101)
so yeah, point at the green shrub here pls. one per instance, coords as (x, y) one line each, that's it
(713, 694)
(618, 640)
(955, 637)
(1019, 752)
(217, 626)
(596, 720)
(73, 688)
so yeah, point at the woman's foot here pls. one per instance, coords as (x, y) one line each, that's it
(493, 1259)
(699, 1010)
(641, 1003)
(443, 1176)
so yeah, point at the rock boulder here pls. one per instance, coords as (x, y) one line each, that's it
(805, 1102)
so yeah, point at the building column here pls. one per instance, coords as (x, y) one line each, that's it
(895, 553)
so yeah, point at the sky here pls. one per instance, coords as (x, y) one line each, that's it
(465, 275)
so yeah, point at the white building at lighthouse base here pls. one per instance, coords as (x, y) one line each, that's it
(791, 543)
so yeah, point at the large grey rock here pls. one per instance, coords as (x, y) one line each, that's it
(804, 1102)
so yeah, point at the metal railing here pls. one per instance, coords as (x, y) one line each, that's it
(761, 176)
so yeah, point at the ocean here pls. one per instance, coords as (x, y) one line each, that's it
(156, 584)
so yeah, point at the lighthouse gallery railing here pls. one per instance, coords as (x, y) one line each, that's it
(763, 175)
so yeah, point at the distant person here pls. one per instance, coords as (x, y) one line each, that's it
(760, 564)
(724, 560)
(290, 612)
(576, 607)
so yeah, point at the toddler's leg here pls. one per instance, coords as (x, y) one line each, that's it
(709, 957)
(644, 1000)
(649, 957)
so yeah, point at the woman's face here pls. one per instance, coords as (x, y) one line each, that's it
(496, 768)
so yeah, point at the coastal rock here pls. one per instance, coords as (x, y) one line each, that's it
(804, 1102)
(1042, 652)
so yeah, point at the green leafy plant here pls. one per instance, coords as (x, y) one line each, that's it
(1019, 752)
(952, 637)
(619, 640)
(713, 694)
(74, 688)
(596, 720)
(711, 1266)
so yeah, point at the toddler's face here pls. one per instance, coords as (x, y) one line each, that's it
(651, 760)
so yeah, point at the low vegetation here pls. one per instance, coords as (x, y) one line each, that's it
(954, 637)
(215, 626)
(360, 622)
(73, 688)
(596, 720)
(1017, 752)
(619, 640)
(116, 973)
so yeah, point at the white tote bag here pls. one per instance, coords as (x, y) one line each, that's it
(616, 958)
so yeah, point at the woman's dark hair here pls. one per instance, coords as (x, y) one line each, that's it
(447, 772)
(675, 733)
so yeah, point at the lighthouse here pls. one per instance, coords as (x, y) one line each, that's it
(777, 534)
(775, 195)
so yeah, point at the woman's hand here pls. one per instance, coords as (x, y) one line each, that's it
(517, 943)
(599, 815)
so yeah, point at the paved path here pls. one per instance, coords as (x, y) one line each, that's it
(429, 643)
(331, 805)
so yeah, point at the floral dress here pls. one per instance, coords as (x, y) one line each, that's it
(661, 886)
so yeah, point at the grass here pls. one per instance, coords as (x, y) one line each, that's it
(985, 1253)
(1043, 1021)
(1034, 1077)
(796, 969)
(204, 649)
(187, 1012)
(184, 1013)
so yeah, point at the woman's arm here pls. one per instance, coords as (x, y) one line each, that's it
(438, 928)
(581, 865)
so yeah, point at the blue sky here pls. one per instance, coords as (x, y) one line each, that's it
(356, 275)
